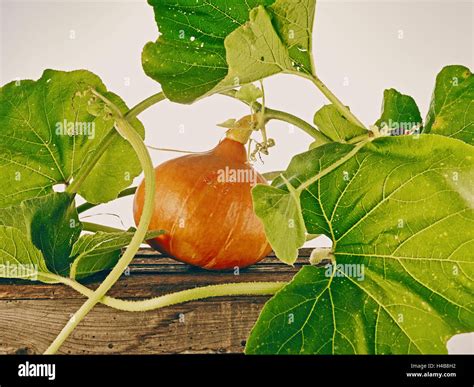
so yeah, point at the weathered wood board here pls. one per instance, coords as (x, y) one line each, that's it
(32, 314)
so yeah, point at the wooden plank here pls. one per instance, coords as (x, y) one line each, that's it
(217, 326)
(31, 314)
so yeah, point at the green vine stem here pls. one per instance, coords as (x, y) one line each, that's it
(343, 109)
(145, 104)
(272, 114)
(221, 290)
(262, 121)
(128, 132)
(228, 289)
(362, 137)
(94, 227)
(87, 206)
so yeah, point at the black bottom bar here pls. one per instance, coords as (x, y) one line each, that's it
(453, 370)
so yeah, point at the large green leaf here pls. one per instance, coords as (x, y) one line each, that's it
(400, 114)
(19, 258)
(452, 105)
(206, 46)
(335, 126)
(400, 215)
(279, 205)
(51, 223)
(97, 252)
(37, 151)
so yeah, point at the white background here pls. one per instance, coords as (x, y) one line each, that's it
(361, 48)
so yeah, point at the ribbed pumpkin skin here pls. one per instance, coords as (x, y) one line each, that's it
(209, 221)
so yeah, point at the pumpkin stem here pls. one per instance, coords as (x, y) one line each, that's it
(243, 128)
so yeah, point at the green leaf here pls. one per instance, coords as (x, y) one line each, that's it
(272, 175)
(335, 126)
(400, 215)
(249, 93)
(279, 206)
(97, 252)
(48, 136)
(254, 51)
(281, 215)
(293, 20)
(51, 223)
(209, 46)
(19, 258)
(400, 114)
(451, 111)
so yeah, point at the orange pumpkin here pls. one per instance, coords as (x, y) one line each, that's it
(204, 203)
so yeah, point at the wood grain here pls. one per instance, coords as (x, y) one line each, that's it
(32, 314)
